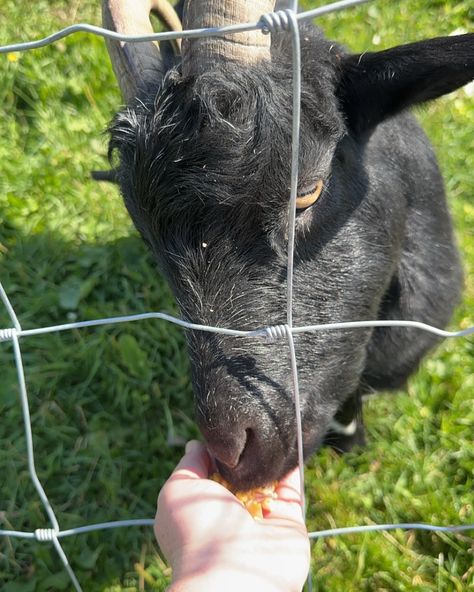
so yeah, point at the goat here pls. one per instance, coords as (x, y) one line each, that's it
(203, 151)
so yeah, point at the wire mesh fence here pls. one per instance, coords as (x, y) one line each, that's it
(274, 24)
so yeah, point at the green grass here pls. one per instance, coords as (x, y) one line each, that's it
(106, 403)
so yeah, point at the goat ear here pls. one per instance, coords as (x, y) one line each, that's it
(374, 86)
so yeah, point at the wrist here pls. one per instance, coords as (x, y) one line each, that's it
(217, 580)
(235, 573)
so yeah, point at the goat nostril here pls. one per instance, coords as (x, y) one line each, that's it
(228, 452)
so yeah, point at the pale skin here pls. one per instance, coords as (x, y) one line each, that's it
(212, 542)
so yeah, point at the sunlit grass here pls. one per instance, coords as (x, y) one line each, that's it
(106, 403)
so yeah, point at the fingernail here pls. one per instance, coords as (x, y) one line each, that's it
(192, 445)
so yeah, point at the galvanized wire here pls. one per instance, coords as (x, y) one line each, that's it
(270, 332)
(169, 35)
(275, 22)
(47, 534)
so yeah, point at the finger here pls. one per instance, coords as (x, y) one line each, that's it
(289, 488)
(192, 445)
(287, 504)
(195, 463)
(278, 509)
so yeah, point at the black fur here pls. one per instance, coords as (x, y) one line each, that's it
(204, 167)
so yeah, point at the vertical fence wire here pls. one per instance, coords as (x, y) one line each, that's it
(295, 145)
(276, 22)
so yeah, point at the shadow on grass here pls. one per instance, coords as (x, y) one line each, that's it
(105, 405)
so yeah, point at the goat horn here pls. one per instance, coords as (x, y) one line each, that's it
(136, 64)
(201, 53)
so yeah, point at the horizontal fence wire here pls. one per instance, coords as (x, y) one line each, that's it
(275, 22)
(171, 35)
(47, 534)
(270, 332)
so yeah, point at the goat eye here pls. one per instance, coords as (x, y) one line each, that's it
(307, 198)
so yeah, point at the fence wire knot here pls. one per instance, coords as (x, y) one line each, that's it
(7, 334)
(276, 22)
(45, 534)
(275, 332)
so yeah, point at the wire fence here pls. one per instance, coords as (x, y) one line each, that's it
(273, 23)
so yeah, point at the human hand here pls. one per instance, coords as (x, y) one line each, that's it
(213, 543)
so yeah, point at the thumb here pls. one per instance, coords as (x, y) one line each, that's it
(195, 464)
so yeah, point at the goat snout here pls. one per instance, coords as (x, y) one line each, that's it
(247, 455)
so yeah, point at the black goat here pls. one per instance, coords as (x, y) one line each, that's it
(204, 151)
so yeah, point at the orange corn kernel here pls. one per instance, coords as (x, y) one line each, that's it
(255, 500)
